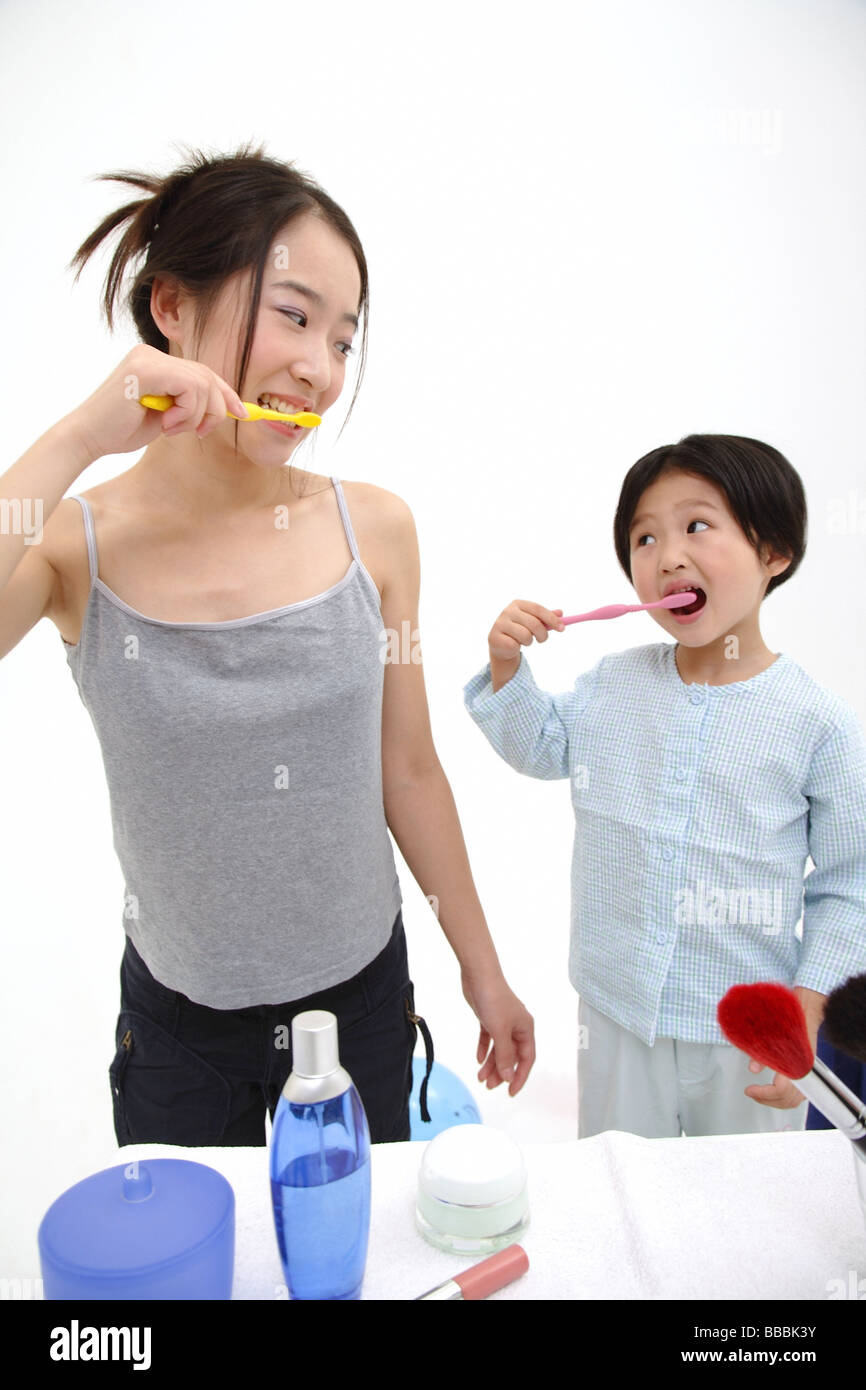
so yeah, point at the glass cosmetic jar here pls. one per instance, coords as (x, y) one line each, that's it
(472, 1194)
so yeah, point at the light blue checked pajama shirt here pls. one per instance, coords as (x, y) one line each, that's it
(696, 808)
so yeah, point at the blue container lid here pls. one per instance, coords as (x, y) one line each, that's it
(136, 1217)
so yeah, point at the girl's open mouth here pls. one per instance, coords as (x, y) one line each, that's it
(688, 608)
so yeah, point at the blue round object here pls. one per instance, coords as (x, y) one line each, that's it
(161, 1229)
(448, 1101)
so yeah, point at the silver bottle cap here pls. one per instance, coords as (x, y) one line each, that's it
(315, 1050)
(316, 1073)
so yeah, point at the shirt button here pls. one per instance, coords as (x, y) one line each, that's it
(696, 699)
(667, 854)
(680, 773)
(661, 937)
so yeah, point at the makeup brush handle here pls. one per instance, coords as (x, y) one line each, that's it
(860, 1172)
(836, 1102)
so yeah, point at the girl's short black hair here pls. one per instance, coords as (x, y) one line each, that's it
(764, 492)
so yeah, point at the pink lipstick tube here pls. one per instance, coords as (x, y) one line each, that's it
(482, 1279)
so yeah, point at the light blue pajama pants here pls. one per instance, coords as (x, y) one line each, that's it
(668, 1089)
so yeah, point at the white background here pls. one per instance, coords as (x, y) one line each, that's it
(591, 230)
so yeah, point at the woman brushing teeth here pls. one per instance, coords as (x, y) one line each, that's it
(261, 751)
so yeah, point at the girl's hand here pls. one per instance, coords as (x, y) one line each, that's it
(112, 421)
(782, 1093)
(517, 625)
(505, 1024)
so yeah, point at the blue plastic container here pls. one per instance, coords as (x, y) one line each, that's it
(160, 1229)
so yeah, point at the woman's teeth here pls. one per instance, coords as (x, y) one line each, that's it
(274, 403)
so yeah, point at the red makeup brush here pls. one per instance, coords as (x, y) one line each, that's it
(766, 1021)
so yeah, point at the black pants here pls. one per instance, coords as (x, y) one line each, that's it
(184, 1073)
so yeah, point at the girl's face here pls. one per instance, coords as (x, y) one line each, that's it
(303, 335)
(684, 534)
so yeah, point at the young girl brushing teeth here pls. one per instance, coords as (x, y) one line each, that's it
(703, 773)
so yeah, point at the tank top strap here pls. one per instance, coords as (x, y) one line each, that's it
(90, 534)
(344, 513)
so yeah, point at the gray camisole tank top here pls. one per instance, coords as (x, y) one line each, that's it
(244, 771)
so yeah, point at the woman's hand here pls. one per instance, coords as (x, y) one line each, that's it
(506, 1043)
(112, 420)
(781, 1093)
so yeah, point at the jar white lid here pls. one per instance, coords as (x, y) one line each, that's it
(472, 1165)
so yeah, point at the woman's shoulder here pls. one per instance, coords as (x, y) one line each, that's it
(64, 532)
(380, 517)
(377, 502)
(64, 546)
(385, 531)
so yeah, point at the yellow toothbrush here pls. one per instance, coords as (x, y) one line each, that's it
(306, 418)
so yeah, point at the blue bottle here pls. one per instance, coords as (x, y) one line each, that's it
(320, 1168)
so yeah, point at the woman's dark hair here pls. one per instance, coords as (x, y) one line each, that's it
(212, 217)
(764, 492)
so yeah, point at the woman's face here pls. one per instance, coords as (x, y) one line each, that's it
(303, 336)
(684, 535)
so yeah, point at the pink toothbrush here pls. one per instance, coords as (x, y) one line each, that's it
(616, 610)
